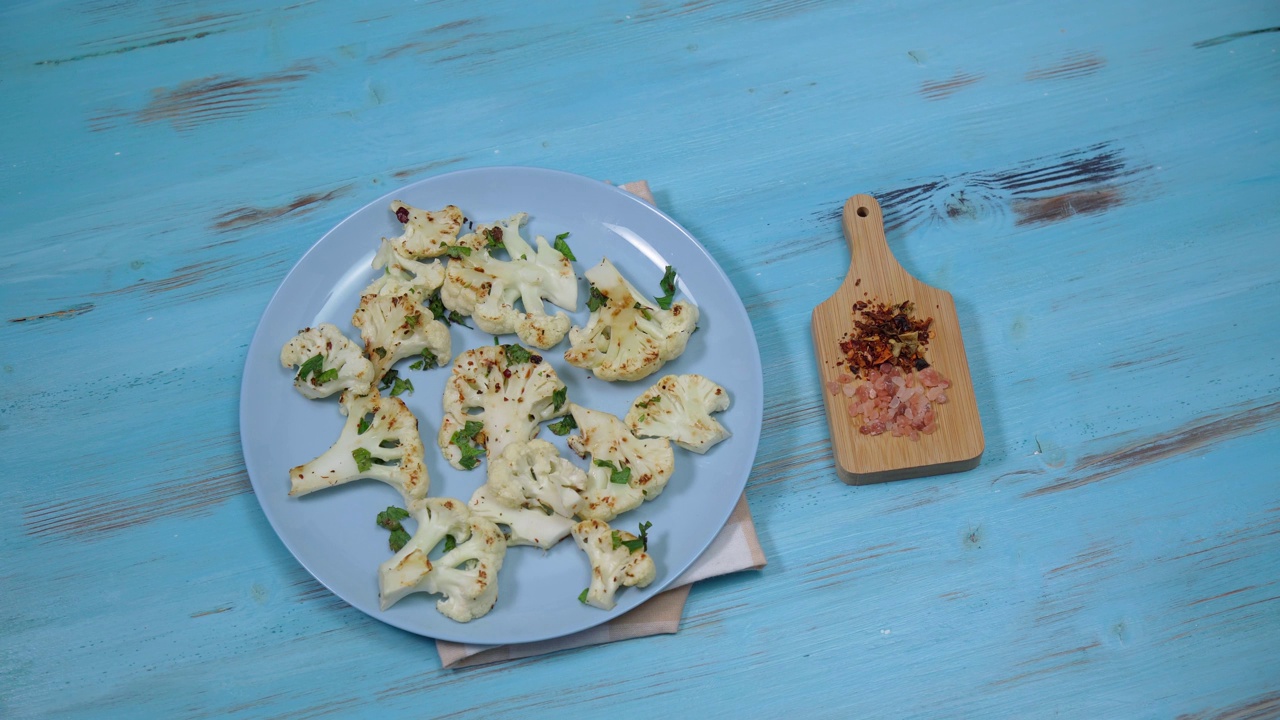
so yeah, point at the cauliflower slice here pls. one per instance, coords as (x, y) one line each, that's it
(379, 441)
(679, 408)
(427, 233)
(628, 336)
(533, 491)
(466, 574)
(327, 363)
(533, 475)
(395, 325)
(524, 526)
(625, 470)
(486, 288)
(402, 274)
(513, 391)
(613, 564)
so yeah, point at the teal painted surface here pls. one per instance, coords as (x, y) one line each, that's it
(1097, 185)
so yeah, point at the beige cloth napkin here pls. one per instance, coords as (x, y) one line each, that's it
(735, 548)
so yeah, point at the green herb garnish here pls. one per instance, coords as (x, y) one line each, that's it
(382, 352)
(327, 376)
(616, 476)
(428, 361)
(558, 398)
(313, 366)
(493, 238)
(516, 354)
(563, 246)
(464, 439)
(411, 321)
(401, 386)
(457, 251)
(363, 458)
(391, 517)
(362, 425)
(388, 379)
(644, 311)
(640, 543)
(449, 543)
(565, 424)
(650, 401)
(597, 299)
(668, 285)
(582, 596)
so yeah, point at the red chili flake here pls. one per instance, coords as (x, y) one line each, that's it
(402, 214)
(886, 333)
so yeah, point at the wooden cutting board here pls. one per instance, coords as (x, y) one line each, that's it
(874, 275)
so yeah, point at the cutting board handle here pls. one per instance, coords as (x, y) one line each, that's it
(864, 231)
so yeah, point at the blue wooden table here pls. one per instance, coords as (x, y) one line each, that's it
(1098, 186)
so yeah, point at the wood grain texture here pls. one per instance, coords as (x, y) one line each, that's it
(1094, 183)
(875, 277)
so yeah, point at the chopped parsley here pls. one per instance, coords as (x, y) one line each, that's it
(411, 321)
(390, 519)
(516, 354)
(363, 458)
(558, 398)
(457, 251)
(382, 352)
(563, 246)
(449, 543)
(464, 439)
(617, 477)
(582, 596)
(362, 425)
(493, 238)
(428, 361)
(597, 299)
(564, 425)
(644, 311)
(640, 543)
(314, 367)
(389, 379)
(650, 401)
(668, 285)
(401, 385)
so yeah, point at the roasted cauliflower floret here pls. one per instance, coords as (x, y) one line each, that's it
(617, 559)
(679, 408)
(628, 336)
(486, 288)
(327, 361)
(496, 395)
(466, 574)
(394, 324)
(379, 441)
(625, 470)
(427, 233)
(403, 274)
(533, 491)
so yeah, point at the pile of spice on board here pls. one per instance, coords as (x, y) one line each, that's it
(885, 378)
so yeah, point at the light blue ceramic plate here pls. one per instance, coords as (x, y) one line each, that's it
(333, 534)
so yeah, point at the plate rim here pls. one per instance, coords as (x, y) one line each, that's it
(654, 590)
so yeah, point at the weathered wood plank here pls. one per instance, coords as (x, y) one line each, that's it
(1094, 183)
